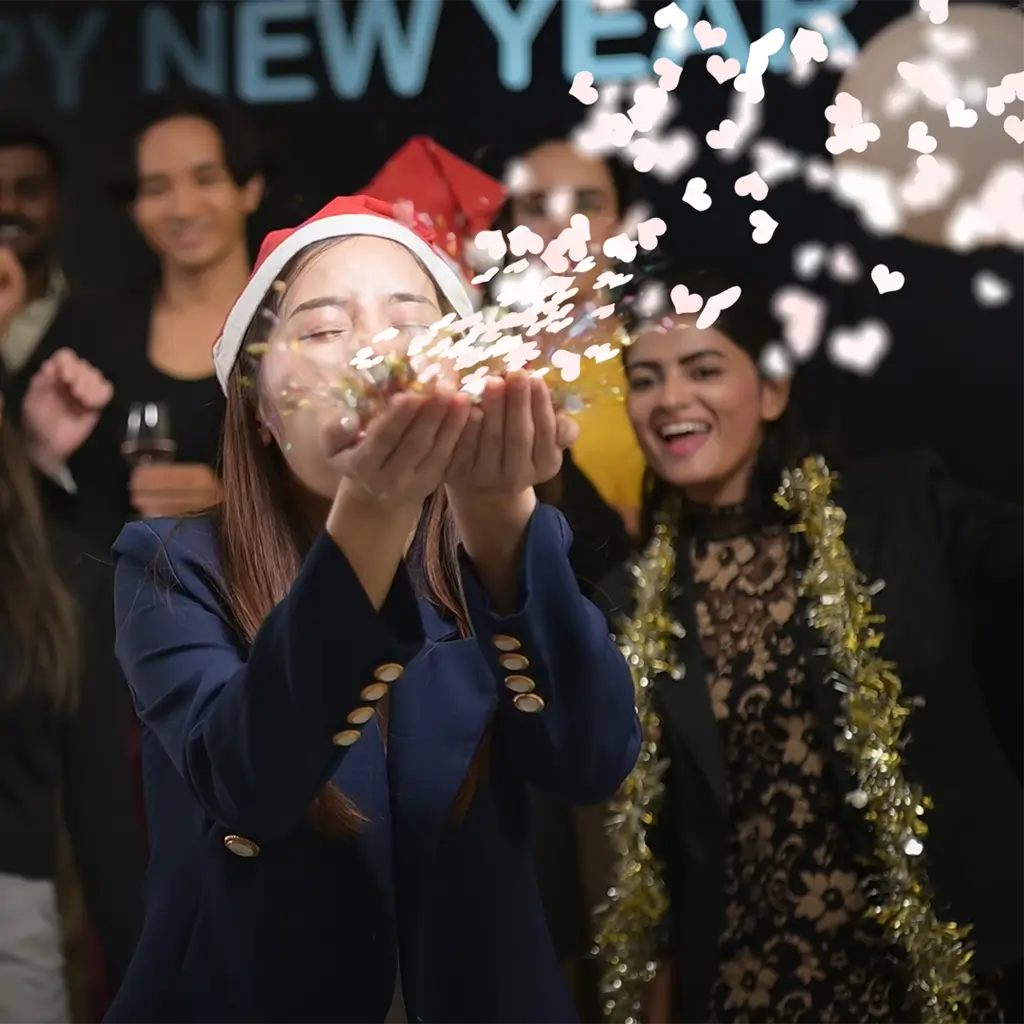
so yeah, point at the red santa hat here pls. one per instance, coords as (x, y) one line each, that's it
(343, 217)
(438, 189)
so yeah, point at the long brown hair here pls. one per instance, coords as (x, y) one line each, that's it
(37, 613)
(264, 534)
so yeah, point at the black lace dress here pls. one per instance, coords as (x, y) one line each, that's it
(796, 945)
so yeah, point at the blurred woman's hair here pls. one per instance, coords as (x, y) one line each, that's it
(750, 324)
(264, 531)
(38, 623)
(245, 152)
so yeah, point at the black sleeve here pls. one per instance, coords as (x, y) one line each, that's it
(600, 540)
(99, 809)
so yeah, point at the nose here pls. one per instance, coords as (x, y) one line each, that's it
(8, 200)
(561, 205)
(377, 326)
(677, 391)
(185, 200)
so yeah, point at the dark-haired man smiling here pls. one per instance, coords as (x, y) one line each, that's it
(32, 286)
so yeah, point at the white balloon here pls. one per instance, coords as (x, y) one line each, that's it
(912, 72)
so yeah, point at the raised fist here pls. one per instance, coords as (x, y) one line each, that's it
(63, 404)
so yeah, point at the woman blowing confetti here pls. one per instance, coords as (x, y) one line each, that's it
(348, 673)
(806, 862)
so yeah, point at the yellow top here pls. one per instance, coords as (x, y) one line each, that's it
(607, 450)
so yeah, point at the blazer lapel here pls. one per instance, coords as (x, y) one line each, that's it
(438, 717)
(686, 701)
(363, 777)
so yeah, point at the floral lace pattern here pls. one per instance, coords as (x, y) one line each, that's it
(796, 946)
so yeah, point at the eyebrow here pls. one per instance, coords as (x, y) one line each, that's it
(579, 192)
(335, 302)
(206, 165)
(692, 357)
(30, 178)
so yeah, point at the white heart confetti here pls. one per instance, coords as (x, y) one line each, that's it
(648, 233)
(808, 260)
(671, 16)
(714, 306)
(859, 349)
(989, 290)
(959, 116)
(764, 226)
(752, 185)
(886, 280)
(668, 72)
(722, 70)
(919, 139)
(684, 301)
(707, 37)
(696, 194)
(582, 88)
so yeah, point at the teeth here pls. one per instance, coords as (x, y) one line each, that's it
(681, 429)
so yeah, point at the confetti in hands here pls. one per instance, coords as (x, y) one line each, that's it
(534, 327)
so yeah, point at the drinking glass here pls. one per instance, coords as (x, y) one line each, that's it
(147, 436)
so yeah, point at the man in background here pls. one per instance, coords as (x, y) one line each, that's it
(32, 285)
(547, 185)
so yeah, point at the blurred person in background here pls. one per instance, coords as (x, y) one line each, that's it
(32, 289)
(548, 185)
(122, 407)
(63, 709)
(32, 285)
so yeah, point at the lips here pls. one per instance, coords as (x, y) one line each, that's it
(683, 428)
(682, 438)
(191, 236)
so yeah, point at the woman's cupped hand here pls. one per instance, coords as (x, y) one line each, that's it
(508, 442)
(403, 455)
(513, 440)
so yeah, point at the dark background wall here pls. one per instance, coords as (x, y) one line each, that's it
(953, 378)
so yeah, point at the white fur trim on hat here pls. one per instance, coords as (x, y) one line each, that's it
(447, 279)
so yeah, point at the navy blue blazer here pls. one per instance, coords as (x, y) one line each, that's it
(251, 915)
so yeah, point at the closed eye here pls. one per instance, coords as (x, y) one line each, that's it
(705, 372)
(323, 335)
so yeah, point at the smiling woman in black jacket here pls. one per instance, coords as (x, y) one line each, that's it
(806, 863)
(63, 719)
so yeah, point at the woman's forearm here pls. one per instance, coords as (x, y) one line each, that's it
(373, 536)
(492, 531)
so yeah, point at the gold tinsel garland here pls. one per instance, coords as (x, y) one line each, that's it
(869, 734)
(627, 922)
